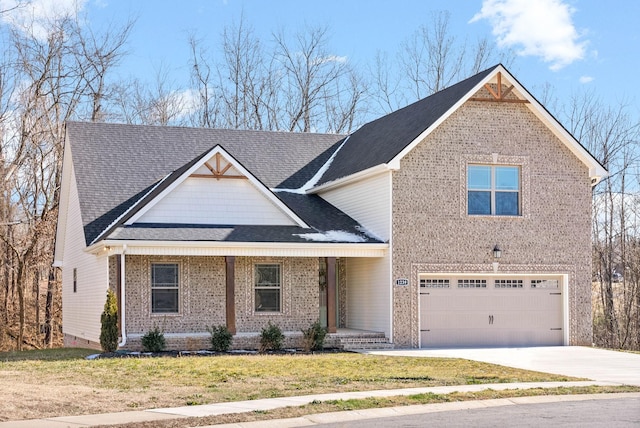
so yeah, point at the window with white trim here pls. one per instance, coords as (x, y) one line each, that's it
(508, 283)
(544, 283)
(434, 283)
(164, 288)
(472, 283)
(267, 287)
(493, 190)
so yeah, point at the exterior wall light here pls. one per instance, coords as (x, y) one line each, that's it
(497, 252)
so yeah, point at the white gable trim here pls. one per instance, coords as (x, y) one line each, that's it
(596, 171)
(253, 180)
(360, 175)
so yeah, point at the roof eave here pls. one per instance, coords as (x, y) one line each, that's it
(361, 175)
(248, 249)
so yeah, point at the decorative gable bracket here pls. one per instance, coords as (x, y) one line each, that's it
(499, 95)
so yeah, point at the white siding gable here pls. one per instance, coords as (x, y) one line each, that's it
(368, 201)
(217, 192)
(81, 308)
(213, 201)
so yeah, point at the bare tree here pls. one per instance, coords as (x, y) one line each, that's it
(613, 136)
(431, 59)
(51, 80)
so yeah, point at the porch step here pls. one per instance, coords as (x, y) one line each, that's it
(360, 343)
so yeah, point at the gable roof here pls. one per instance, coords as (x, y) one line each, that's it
(117, 165)
(386, 140)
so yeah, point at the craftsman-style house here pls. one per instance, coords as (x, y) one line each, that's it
(460, 220)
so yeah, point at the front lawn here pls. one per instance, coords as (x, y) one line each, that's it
(38, 384)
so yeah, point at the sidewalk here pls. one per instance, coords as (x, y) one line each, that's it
(274, 403)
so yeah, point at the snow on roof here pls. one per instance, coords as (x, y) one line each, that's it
(331, 236)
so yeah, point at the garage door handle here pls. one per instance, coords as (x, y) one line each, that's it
(556, 328)
(490, 319)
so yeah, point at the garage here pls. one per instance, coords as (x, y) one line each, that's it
(501, 310)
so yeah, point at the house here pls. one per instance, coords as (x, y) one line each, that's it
(460, 220)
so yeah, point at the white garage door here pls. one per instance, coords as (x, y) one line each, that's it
(463, 311)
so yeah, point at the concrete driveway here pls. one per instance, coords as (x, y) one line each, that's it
(577, 361)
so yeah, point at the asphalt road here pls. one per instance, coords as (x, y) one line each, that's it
(618, 413)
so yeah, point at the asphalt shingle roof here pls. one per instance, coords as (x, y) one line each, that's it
(379, 141)
(116, 164)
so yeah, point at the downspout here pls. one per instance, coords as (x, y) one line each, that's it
(122, 299)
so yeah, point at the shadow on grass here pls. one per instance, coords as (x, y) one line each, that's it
(57, 354)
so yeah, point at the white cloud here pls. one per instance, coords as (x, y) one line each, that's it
(32, 18)
(585, 79)
(541, 28)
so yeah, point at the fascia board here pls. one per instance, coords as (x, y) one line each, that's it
(252, 179)
(188, 248)
(361, 175)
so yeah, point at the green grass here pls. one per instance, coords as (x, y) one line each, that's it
(80, 386)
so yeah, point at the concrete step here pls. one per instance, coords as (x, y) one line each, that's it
(359, 343)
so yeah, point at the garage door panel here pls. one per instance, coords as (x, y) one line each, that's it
(489, 316)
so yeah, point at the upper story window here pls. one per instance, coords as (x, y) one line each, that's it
(267, 286)
(164, 288)
(493, 190)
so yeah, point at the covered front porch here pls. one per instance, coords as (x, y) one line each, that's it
(213, 290)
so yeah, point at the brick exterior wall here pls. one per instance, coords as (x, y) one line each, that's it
(202, 299)
(432, 232)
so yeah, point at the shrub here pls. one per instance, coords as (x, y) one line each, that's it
(271, 338)
(154, 341)
(221, 338)
(109, 321)
(313, 337)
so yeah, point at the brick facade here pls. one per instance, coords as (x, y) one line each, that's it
(202, 299)
(432, 232)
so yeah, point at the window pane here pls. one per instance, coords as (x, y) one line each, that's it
(268, 300)
(507, 178)
(507, 203)
(479, 203)
(164, 275)
(164, 300)
(267, 275)
(479, 177)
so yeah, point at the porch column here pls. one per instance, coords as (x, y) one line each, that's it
(230, 262)
(331, 294)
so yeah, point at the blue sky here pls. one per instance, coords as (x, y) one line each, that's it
(569, 44)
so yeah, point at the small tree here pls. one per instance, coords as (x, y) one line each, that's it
(109, 320)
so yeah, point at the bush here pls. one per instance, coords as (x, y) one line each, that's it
(271, 338)
(109, 321)
(313, 337)
(221, 338)
(154, 341)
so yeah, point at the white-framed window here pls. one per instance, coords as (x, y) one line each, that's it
(493, 190)
(472, 283)
(434, 283)
(267, 288)
(545, 283)
(165, 288)
(508, 283)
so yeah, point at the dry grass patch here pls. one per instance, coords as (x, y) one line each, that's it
(369, 403)
(62, 382)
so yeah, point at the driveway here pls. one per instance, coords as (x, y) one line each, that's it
(577, 361)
